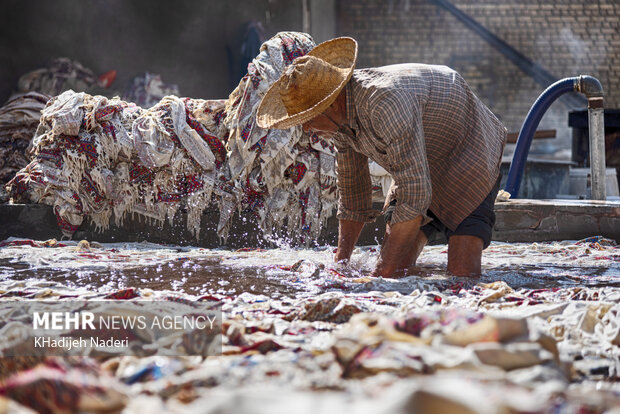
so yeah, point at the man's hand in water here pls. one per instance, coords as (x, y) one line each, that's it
(348, 233)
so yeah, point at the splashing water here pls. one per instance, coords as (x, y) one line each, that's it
(295, 272)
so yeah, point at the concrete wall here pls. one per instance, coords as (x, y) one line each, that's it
(323, 20)
(187, 42)
(566, 37)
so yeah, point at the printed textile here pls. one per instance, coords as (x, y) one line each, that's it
(148, 89)
(19, 119)
(97, 157)
(284, 174)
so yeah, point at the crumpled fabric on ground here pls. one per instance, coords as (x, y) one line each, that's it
(19, 119)
(334, 309)
(148, 89)
(446, 394)
(54, 387)
(455, 344)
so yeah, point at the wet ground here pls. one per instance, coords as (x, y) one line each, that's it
(295, 272)
(539, 331)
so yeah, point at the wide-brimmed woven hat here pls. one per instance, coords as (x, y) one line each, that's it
(309, 85)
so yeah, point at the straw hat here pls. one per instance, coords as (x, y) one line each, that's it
(309, 85)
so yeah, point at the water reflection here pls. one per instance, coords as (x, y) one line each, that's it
(311, 275)
(197, 277)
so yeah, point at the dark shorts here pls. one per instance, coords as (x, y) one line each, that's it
(479, 223)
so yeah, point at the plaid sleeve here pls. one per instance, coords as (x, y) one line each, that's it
(354, 186)
(397, 124)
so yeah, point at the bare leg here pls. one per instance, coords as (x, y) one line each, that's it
(419, 243)
(402, 244)
(465, 255)
(411, 255)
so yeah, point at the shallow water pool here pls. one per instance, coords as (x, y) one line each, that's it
(295, 272)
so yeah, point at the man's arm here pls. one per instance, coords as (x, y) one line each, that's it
(398, 249)
(354, 199)
(348, 233)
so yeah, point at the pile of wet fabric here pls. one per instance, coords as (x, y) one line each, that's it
(101, 158)
(87, 163)
(20, 116)
(537, 338)
(19, 119)
(59, 75)
(148, 89)
(284, 175)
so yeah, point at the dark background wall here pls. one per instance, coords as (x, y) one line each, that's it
(196, 44)
(187, 42)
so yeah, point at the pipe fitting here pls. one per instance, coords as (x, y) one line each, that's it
(592, 89)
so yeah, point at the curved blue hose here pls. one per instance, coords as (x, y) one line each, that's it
(524, 141)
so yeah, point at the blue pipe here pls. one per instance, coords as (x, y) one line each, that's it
(524, 141)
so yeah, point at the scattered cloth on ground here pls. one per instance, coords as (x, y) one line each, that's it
(538, 332)
(58, 386)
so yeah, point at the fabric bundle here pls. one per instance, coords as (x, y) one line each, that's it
(58, 76)
(148, 89)
(97, 157)
(283, 174)
(19, 119)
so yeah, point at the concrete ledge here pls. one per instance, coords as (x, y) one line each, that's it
(546, 220)
(518, 220)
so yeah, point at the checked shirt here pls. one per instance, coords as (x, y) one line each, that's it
(424, 125)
